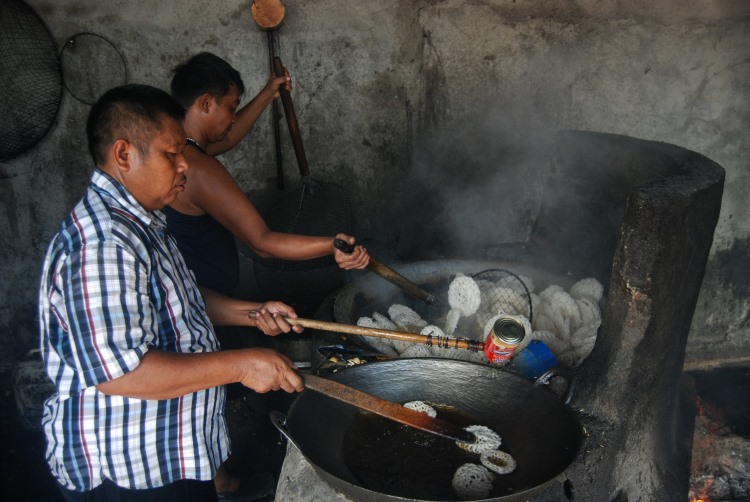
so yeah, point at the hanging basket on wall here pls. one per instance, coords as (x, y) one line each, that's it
(91, 64)
(30, 79)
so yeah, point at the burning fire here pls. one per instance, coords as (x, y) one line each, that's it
(703, 448)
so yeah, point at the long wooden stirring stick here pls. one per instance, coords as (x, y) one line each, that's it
(388, 409)
(268, 15)
(404, 336)
(389, 274)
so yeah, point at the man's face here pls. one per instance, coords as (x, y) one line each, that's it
(155, 180)
(223, 113)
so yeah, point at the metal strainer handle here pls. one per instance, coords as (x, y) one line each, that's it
(508, 289)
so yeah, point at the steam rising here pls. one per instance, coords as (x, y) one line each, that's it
(473, 185)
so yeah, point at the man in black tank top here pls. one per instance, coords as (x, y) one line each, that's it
(213, 211)
(213, 208)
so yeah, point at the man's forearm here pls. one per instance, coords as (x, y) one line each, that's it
(225, 311)
(293, 247)
(166, 375)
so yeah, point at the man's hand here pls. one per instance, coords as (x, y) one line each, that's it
(357, 259)
(270, 318)
(266, 370)
(274, 82)
(226, 311)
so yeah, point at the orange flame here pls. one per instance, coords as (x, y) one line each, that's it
(703, 447)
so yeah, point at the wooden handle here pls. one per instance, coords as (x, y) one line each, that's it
(387, 409)
(275, 117)
(404, 336)
(389, 274)
(399, 280)
(291, 120)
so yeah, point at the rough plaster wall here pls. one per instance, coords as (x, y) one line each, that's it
(401, 101)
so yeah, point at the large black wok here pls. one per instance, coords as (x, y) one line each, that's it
(540, 432)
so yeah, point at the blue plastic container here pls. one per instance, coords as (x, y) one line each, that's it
(533, 361)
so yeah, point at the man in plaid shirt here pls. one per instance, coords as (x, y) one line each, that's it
(127, 336)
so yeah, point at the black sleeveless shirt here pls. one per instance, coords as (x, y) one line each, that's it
(209, 249)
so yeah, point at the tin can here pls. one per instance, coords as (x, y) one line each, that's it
(502, 341)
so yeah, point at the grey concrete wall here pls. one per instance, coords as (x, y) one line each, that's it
(399, 100)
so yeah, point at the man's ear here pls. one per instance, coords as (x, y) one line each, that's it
(204, 102)
(123, 154)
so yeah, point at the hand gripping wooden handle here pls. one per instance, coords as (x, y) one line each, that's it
(389, 274)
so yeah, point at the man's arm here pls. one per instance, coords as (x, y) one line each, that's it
(226, 311)
(213, 190)
(167, 375)
(111, 346)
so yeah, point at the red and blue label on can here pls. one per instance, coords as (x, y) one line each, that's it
(501, 343)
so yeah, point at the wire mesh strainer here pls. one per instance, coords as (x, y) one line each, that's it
(501, 291)
(30, 79)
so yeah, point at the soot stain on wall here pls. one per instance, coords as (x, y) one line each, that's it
(733, 267)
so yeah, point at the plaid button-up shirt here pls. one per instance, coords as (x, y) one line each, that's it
(114, 286)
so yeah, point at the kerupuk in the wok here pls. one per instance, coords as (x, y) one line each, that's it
(473, 480)
(567, 320)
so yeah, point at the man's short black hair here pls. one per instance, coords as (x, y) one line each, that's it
(132, 112)
(201, 74)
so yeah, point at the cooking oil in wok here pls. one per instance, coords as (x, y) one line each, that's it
(392, 458)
